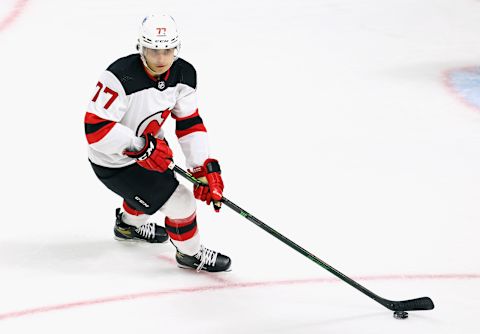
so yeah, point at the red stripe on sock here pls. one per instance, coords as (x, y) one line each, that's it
(180, 222)
(184, 236)
(131, 210)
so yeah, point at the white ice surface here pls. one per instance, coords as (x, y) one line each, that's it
(333, 125)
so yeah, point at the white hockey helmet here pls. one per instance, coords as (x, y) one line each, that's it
(158, 32)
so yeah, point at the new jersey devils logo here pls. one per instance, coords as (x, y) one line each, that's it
(153, 123)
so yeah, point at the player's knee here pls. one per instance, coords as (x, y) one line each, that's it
(180, 205)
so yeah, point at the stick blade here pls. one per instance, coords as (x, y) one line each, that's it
(417, 304)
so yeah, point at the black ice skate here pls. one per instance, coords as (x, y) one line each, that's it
(149, 232)
(206, 259)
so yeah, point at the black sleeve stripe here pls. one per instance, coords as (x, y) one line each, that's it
(188, 123)
(92, 128)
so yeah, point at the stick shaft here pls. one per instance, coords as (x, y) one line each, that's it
(423, 303)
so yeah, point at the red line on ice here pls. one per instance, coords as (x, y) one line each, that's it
(17, 9)
(225, 286)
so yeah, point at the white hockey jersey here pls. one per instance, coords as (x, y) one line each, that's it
(129, 102)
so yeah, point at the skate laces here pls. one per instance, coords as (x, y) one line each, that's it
(147, 230)
(206, 256)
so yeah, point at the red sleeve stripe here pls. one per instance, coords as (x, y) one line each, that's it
(96, 127)
(189, 124)
(93, 119)
(97, 136)
(195, 128)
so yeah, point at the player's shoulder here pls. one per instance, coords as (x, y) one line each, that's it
(183, 72)
(130, 73)
(130, 63)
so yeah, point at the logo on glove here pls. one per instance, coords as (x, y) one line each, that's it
(148, 152)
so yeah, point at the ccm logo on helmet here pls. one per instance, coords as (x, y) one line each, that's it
(161, 31)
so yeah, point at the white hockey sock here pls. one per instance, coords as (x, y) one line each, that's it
(182, 231)
(184, 234)
(133, 217)
(188, 247)
(134, 220)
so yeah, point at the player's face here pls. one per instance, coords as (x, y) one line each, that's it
(159, 60)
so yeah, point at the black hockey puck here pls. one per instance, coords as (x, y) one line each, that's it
(400, 315)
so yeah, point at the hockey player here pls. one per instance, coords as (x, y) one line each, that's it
(128, 152)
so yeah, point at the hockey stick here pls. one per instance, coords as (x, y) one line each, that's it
(417, 304)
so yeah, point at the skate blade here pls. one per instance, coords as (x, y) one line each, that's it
(141, 241)
(130, 240)
(181, 266)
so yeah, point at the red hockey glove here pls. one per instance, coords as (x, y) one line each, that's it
(212, 189)
(155, 155)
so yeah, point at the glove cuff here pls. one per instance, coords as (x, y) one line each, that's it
(212, 166)
(146, 150)
(209, 166)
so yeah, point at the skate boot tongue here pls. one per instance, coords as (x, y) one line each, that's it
(147, 230)
(207, 257)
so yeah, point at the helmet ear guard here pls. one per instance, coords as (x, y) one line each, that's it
(177, 50)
